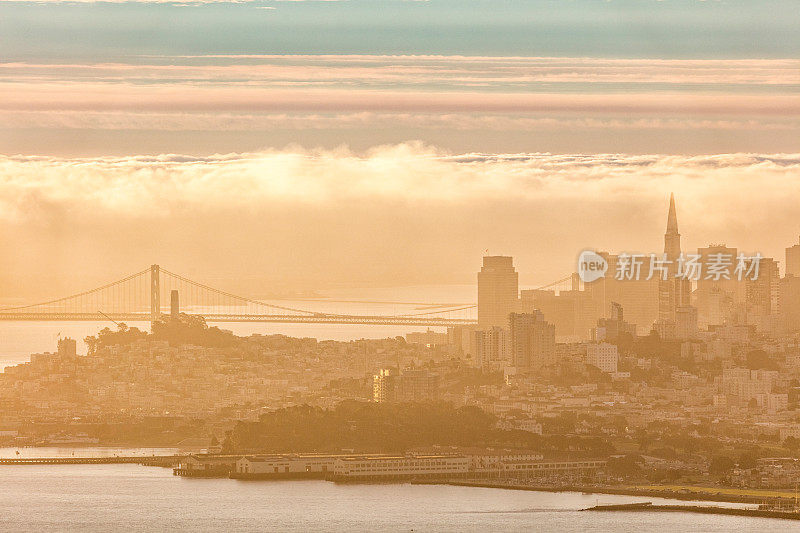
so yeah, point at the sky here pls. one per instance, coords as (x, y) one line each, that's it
(313, 144)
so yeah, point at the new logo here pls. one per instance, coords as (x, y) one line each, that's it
(591, 266)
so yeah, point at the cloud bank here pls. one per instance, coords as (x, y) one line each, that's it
(407, 213)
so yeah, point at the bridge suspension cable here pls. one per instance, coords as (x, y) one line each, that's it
(139, 297)
(226, 299)
(111, 293)
(442, 311)
(571, 282)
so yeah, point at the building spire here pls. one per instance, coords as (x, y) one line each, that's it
(672, 218)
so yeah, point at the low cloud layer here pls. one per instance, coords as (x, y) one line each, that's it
(405, 213)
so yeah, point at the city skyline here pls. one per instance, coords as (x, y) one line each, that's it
(391, 265)
(674, 294)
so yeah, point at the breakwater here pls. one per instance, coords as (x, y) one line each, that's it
(701, 509)
(155, 460)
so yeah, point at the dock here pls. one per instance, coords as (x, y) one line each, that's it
(154, 460)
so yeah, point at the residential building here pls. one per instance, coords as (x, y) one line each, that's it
(492, 348)
(385, 385)
(533, 341)
(604, 356)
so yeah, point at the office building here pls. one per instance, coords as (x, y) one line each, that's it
(639, 296)
(570, 311)
(717, 298)
(498, 291)
(789, 302)
(793, 260)
(674, 291)
(611, 328)
(761, 293)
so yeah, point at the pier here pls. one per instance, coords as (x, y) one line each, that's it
(155, 460)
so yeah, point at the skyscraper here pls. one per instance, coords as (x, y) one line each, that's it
(639, 296)
(673, 292)
(761, 294)
(718, 299)
(789, 301)
(498, 291)
(793, 260)
(533, 341)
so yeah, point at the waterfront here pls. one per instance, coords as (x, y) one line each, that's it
(36, 452)
(132, 497)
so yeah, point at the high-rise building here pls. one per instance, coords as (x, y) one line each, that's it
(686, 322)
(650, 291)
(789, 302)
(613, 327)
(570, 311)
(761, 293)
(793, 260)
(603, 355)
(674, 291)
(533, 341)
(639, 296)
(717, 300)
(385, 385)
(492, 348)
(498, 291)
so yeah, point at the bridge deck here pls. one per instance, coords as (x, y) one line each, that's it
(376, 320)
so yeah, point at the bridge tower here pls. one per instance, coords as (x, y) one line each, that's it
(174, 305)
(155, 294)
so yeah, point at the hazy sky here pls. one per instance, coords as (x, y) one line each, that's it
(309, 144)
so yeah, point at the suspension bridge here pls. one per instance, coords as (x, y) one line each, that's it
(139, 297)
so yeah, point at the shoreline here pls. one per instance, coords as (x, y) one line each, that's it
(688, 493)
(699, 509)
(623, 491)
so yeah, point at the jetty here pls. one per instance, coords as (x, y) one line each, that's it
(152, 460)
(702, 509)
